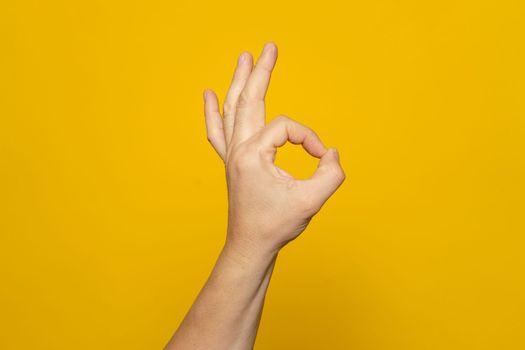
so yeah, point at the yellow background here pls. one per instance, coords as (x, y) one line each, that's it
(113, 204)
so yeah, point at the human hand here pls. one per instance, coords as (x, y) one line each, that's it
(267, 206)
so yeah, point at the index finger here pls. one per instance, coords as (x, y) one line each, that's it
(283, 129)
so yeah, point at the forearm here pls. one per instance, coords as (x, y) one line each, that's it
(227, 311)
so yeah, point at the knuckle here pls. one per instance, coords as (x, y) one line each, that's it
(339, 173)
(241, 159)
(228, 107)
(244, 99)
(308, 205)
(266, 67)
(281, 119)
(309, 133)
(213, 136)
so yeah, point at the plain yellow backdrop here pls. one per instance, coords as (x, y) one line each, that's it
(113, 204)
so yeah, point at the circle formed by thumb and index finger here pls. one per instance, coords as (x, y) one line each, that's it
(283, 129)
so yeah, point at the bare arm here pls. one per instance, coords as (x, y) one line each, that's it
(227, 311)
(267, 208)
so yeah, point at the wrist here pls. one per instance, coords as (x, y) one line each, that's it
(247, 253)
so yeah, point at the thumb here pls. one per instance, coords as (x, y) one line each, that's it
(327, 178)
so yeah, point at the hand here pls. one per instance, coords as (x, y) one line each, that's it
(267, 207)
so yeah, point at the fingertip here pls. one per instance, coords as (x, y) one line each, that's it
(337, 163)
(335, 152)
(329, 152)
(245, 56)
(330, 158)
(211, 94)
(211, 101)
(270, 47)
(321, 148)
(242, 57)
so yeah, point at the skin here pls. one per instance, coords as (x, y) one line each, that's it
(267, 208)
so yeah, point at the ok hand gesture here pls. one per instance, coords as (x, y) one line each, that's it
(267, 207)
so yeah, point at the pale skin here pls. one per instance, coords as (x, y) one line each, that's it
(267, 207)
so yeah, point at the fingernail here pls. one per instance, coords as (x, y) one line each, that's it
(336, 153)
(204, 94)
(268, 47)
(242, 57)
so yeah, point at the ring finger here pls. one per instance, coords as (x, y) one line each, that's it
(241, 75)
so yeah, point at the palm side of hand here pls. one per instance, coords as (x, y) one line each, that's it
(267, 207)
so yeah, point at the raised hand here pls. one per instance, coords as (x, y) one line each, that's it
(267, 206)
